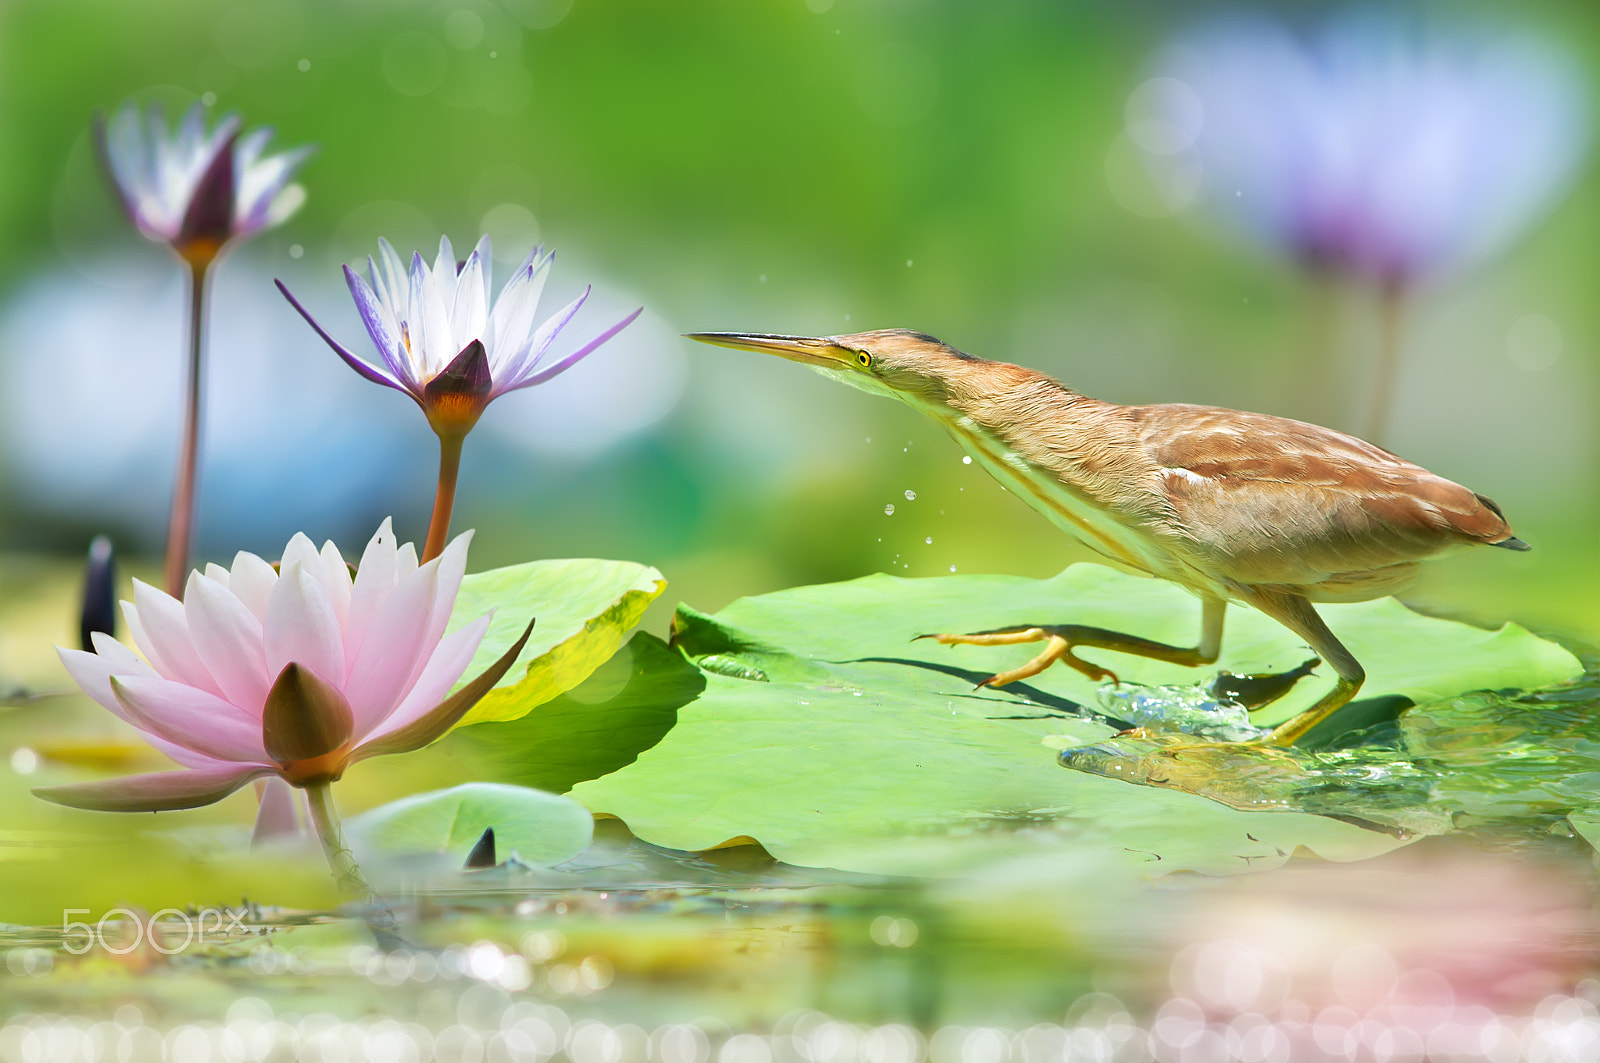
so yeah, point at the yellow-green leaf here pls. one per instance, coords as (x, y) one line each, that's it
(583, 609)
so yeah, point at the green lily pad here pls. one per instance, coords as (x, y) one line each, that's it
(543, 829)
(826, 734)
(1418, 657)
(595, 728)
(582, 609)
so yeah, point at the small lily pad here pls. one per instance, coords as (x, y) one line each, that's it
(542, 829)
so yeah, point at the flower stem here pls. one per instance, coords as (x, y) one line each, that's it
(325, 818)
(444, 498)
(346, 872)
(180, 524)
(1391, 311)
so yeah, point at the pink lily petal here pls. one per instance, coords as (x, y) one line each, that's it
(374, 583)
(251, 580)
(162, 791)
(299, 551)
(277, 816)
(451, 565)
(93, 671)
(394, 651)
(302, 627)
(190, 718)
(162, 632)
(335, 577)
(443, 669)
(228, 638)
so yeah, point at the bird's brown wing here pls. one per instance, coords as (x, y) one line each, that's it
(1269, 500)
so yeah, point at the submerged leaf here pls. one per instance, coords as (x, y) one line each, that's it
(541, 828)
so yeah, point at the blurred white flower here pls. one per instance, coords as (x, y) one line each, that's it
(1372, 145)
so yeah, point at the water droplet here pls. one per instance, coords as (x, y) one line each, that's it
(966, 459)
(303, 65)
(869, 439)
(911, 496)
(929, 540)
(952, 568)
(888, 511)
(908, 263)
(763, 278)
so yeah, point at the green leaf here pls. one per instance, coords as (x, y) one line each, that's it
(543, 829)
(844, 737)
(1404, 653)
(583, 608)
(597, 727)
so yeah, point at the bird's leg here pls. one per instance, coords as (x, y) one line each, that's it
(1061, 639)
(1294, 612)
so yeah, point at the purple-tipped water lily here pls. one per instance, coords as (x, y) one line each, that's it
(447, 342)
(193, 189)
(294, 673)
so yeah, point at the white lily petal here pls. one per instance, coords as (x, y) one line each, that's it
(470, 312)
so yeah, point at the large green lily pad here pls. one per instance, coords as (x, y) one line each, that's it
(1404, 653)
(582, 610)
(827, 735)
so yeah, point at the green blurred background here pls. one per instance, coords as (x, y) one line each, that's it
(811, 166)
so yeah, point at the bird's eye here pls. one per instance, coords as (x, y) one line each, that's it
(863, 359)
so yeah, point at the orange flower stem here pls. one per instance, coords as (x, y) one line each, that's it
(444, 498)
(180, 524)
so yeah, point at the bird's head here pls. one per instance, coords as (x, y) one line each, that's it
(898, 362)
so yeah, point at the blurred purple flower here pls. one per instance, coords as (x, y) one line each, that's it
(444, 339)
(1372, 145)
(192, 189)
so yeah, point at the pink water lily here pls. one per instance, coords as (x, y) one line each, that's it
(296, 672)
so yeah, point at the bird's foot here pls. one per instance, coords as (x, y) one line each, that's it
(1058, 647)
(1257, 691)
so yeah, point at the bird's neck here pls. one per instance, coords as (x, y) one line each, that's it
(1071, 457)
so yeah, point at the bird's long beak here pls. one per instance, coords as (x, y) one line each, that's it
(811, 350)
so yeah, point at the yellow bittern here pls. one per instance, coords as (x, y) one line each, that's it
(1241, 507)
